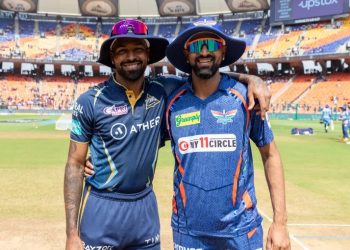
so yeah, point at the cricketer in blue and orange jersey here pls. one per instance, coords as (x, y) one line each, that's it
(210, 127)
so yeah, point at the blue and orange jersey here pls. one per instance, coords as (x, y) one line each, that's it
(123, 131)
(213, 177)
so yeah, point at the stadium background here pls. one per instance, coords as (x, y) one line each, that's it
(48, 51)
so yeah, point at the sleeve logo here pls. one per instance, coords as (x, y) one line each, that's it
(76, 127)
(188, 119)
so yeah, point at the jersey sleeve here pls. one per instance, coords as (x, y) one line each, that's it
(82, 119)
(260, 133)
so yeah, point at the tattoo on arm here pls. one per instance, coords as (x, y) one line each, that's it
(73, 185)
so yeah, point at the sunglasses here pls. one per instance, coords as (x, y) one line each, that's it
(129, 26)
(212, 45)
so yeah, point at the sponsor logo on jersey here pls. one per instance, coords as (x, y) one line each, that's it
(116, 110)
(152, 240)
(77, 109)
(207, 143)
(151, 101)
(139, 127)
(224, 117)
(119, 131)
(179, 247)
(90, 247)
(188, 119)
(76, 127)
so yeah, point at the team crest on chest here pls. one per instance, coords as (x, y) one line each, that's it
(224, 117)
(151, 101)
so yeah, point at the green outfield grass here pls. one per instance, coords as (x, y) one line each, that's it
(33, 155)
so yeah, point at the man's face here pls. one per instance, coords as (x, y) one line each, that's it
(130, 58)
(205, 52)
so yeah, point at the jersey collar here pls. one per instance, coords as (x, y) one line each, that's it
(224, 84)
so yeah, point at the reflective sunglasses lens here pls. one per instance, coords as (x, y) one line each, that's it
(129, 26)
(211, 44)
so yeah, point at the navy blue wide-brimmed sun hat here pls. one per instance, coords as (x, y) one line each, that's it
(131, 28)
(234, 47)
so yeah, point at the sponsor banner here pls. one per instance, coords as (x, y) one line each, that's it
(98, 7)
(19, 5)
(176, 7)
(247, 5)
(301, 11)
(188, 119)
(207, 143)
(307, 8)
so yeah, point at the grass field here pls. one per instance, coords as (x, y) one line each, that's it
(33, 155)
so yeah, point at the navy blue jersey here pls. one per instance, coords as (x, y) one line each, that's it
(123, 132)
(213, 181)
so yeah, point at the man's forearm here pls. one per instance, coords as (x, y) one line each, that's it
(73, 185)
(275, 180)
(237, 76)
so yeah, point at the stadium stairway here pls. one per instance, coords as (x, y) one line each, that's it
(282, 90)
(304, 93)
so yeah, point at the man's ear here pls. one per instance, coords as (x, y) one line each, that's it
(223, 52)
(111, 56)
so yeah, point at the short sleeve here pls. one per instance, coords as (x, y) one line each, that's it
(260, 131)
(82, 119)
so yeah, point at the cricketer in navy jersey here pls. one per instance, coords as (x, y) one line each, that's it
(214, 181)
(123, 138)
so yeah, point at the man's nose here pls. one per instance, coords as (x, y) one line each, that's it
(204, 50)
(131, 55)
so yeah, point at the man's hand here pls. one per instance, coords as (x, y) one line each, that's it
(88, 168)
(257, 89)
(278, 237)
(74, 243)
(259, 95)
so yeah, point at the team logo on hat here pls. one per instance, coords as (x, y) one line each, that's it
(224, 117)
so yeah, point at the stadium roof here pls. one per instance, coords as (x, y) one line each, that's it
(134, 8)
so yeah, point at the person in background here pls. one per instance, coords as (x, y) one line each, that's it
(326, 117)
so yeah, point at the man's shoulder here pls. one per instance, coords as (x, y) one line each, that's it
(90, 94)
(232, 83)
(169, 82)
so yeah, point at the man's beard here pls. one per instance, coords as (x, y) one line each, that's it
(205, 73)
(131, 75)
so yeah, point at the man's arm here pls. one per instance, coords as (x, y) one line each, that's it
(73, 185)
(277, 237)
(257, 89)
